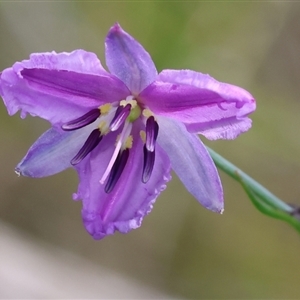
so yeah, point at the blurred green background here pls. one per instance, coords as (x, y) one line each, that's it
(181, 248)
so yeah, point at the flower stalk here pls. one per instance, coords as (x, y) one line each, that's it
(265, 201)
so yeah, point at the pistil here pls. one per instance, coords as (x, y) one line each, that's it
(121, 142)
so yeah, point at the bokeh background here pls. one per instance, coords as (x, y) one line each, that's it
(182, 250)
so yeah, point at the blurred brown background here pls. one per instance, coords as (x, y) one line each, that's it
(181, 250)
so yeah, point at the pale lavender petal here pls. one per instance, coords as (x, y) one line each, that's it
(52, 152)
(59, 95)
(128, 60)
(204, 105)
(124, 208)
(192, 163)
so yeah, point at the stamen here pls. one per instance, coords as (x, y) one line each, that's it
(105, 108)
(151, 133)
(129, 99)
(149, 159)
(103, 127)
(143, 136)
(82, 121)
(128, 143)
(124, 134)
(92, 141)
(121, 114)
(147, 113)
(117, 170)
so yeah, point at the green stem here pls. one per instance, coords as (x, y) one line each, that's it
(268, 209)
(257, 188)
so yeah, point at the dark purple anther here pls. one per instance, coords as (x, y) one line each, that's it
(149, 158)
(116, 170)
(151, 133)
(92, 141)
(82, 121)
(121, 114)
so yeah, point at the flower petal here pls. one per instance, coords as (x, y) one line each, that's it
(128, 60)
(124, 208)
(192, 163)
(57, 87)
(204, 105)
(52, 152)
(79, 61)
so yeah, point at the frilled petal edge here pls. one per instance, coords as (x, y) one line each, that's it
(192, 163)
(57, 87)
(204, 105)
(124, 208)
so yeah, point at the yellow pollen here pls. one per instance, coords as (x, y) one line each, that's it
(143, 136)
(128, 143)
(123, 103)
(103, 127)
(133, 103)
(105, 108)
(147, 113)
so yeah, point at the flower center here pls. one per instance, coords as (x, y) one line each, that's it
(120, 117)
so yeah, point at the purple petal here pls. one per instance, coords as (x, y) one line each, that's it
(204, 105)
(128, 60)
(81, 88)
(52, 152)
(124, 208)
(59, 87)
(192, 163)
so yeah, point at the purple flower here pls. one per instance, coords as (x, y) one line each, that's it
(123, 131)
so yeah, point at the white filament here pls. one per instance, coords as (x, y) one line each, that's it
(123, 137)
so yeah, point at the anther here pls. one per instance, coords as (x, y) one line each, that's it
(117, 170)
(149, 159)
(151, 133)
(149, 148)
(121, 114)
(82, 121)
(92, 141)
